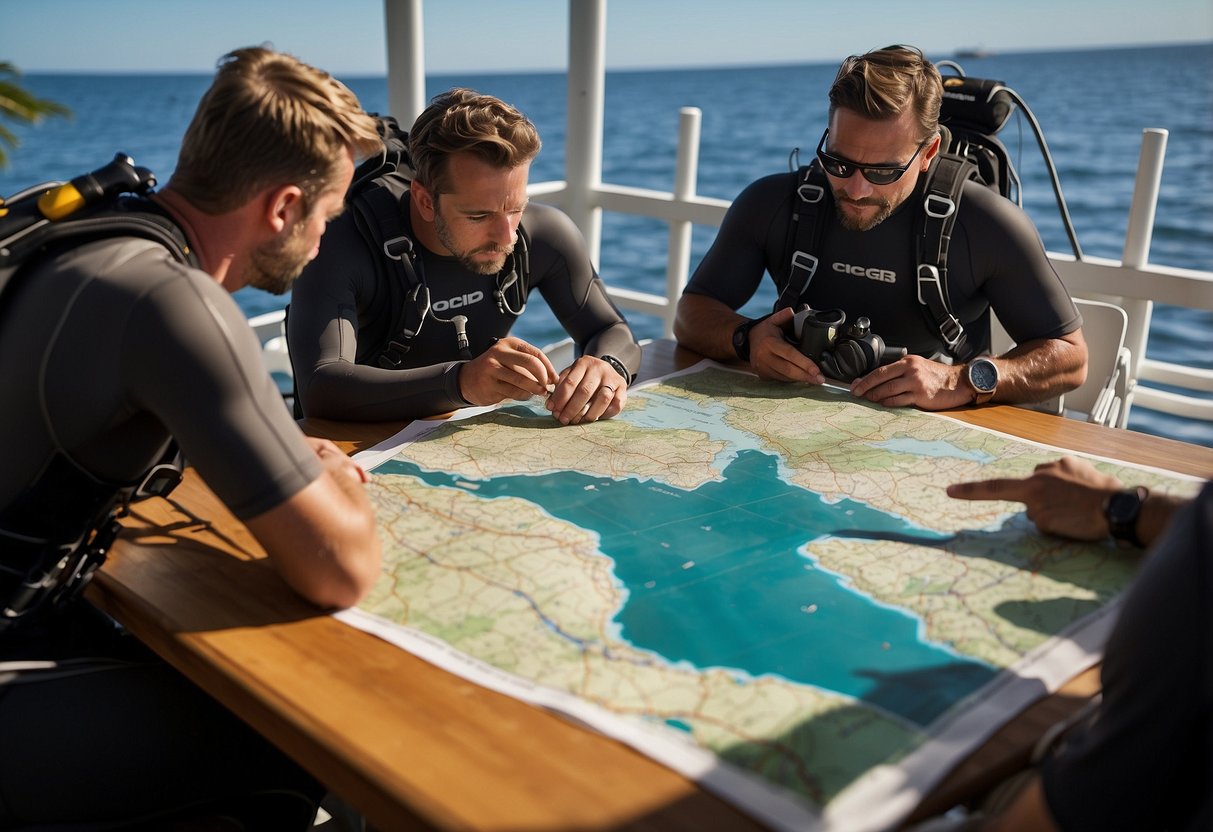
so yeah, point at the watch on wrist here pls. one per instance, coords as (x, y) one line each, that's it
(741, 339)
(982, 376)
(1121, 510)
(618, 366)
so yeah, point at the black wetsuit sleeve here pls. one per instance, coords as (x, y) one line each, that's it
(752, 232)
(1007, 266)
(1147, 761)
(336, 301)
(562, 271)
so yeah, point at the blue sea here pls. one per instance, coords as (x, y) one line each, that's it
(1091, 104)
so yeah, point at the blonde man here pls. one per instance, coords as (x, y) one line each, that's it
(109, 351)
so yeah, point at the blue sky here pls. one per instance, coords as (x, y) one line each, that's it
(346, 36)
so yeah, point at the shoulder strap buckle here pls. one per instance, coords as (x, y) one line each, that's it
(398, 247)
(951, 330)
(811, 193)
(939, 206)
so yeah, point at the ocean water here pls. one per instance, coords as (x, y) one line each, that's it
(1091, 104)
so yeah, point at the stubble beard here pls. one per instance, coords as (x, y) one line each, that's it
(467, 258)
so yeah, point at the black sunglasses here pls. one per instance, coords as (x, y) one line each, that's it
(876, 174)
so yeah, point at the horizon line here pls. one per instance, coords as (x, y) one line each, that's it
(955, 53)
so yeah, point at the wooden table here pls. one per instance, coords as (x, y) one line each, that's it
(412, 746)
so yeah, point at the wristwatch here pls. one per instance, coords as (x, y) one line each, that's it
(1122, 510)
(618, 366)
(741, 339)
(982, 376)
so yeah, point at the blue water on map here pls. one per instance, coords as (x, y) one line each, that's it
(718, 577)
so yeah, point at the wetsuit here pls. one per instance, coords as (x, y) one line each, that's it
(996, 260)
(1147, 760)
(344, 305)
(106, 351)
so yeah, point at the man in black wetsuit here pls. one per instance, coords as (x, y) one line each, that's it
(108, 350)
(463, 210)
(1145, 761)
(883, 135)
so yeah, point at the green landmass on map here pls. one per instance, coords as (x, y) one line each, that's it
(505, 582)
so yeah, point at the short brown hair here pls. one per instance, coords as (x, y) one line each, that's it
(462, 120)
(884, 83)
(269, 119)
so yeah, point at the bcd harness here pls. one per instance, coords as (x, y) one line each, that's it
(972, 111)
(377, 200)
(56, 533)
(936, 217)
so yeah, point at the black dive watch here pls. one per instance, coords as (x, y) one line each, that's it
(741, 339)
(618, 367)
(1121, 510)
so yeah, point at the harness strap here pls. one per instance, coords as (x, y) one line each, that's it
(936, 221)
(378, 214)
(806, 233)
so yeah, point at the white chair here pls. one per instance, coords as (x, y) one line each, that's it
(1104, 397)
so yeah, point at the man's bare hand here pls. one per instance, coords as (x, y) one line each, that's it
(509, 369)
(1064, 497)
(587, 391)
(336, 462)
(773, 357)
(914, 381)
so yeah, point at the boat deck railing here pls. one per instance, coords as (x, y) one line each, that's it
(1132, 282)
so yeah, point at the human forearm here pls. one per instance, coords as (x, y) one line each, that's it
(358, 393)
(616, 340)
(705, 325)
(323, 540)
(1039, 370)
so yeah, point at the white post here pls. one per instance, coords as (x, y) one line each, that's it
(405, 59)
(686, 172)
(1137, 237)
(583, 142)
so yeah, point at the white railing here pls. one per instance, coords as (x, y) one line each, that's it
(1131, 283)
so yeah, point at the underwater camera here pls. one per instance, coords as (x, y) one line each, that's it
(842, 352)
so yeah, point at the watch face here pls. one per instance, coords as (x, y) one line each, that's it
(1123, 507)
(983, 375)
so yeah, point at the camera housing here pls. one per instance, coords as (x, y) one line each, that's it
(842, 351)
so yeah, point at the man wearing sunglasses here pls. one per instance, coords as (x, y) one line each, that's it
(475, 248)
(882, 138)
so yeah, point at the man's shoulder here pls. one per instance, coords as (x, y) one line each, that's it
(773, 185)
(548, 226)
(540, 218)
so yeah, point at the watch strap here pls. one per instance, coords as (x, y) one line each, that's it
(1122, 511)
(619, 367)
(741, 338)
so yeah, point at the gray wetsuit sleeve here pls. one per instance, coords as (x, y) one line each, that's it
(331, 305)
(189, 357)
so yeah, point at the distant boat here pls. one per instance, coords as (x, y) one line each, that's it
(973, 53)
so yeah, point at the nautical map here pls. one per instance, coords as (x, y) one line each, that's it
(763, 586)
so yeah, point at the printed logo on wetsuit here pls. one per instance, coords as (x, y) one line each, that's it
(882, 275)
(459, 301)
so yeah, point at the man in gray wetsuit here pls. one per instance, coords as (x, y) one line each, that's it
(462, 210)
(883, 136)
(108, 350)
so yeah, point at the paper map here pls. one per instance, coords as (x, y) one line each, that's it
(763, 586)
